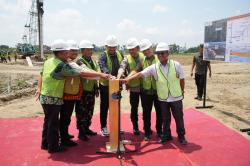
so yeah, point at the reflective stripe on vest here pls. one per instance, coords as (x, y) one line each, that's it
(50, 86)
(132, 66)
(88, 85)
(109, 64)
(149, 82)
(167, 84)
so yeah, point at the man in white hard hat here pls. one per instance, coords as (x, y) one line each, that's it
(85, 108)
(131, 63)
(70, 97)
(50, 91)
(170, 84)
(109, 63)
(148, 93)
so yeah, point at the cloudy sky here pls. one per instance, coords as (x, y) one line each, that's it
(175, 21)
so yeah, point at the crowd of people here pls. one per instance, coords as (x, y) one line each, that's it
(68, 83)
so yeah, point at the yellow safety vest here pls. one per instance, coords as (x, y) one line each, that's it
(132, 66)
(51, 87)
(167, 84)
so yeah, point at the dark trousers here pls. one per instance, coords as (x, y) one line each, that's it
(199, 81)
(65, 118)
(50, 126)
(85, 110)
(104, 105)
(177, 112)
(147, 104)
(134, 102)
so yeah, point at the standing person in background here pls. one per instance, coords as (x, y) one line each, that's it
(109, 63)
(200, 66)
(8, 56)
(15, 56)
(131, 63)
(3, 58)
(90, 90)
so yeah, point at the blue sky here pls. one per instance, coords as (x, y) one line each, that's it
(180, 21)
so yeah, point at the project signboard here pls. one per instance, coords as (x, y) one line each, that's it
(228, 39)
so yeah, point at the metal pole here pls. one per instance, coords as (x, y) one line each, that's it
(205, 85)
(40, 26)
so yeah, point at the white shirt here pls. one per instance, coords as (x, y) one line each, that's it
(151, 70)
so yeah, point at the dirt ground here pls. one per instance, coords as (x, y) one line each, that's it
(228, 91)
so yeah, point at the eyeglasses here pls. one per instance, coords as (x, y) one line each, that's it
(162, 53)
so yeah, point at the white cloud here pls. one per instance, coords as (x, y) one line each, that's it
(157, 8)
(188, 32)
(238, 12)
(66, 24)
(127, 25)
(152, 31)
(13, 16)
(191, 36)
(184, 22)
(209, 10)
(75, 1)
(16, 8)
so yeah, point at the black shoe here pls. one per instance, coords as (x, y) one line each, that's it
(56, 150)
(146, 137)
(163, 140)
(199, 98)
(196, 97)
(83, 137)
(69, 143)
(70, 136)
(182, 140)
(159, 134)
(136, 132)
(90, 132)
(44, 147)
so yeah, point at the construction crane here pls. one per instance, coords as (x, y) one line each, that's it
(33, 27)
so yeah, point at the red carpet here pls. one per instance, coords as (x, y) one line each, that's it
(210, 143)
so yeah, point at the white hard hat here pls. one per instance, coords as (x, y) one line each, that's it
(132, 43)
(111, 41)
(145, 44)
(72, 45)
(86, 44)
(59, 45)
(162, 47)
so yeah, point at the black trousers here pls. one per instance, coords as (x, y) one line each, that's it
(50, 126)
(177, 112)
(199, 81)
(134, 98)
(147, 104)
(65, 118)
(104, 105)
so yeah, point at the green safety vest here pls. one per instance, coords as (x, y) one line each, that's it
(109, 63)
(149, 82)
(167, 84)
(132, 66)
(50, 86)
(88, 85)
